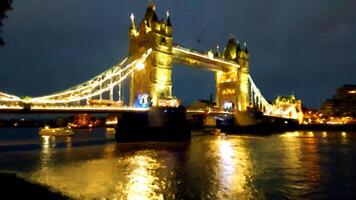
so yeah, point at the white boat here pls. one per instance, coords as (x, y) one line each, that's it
(62, 131)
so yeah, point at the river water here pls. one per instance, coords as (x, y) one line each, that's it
(91, 165)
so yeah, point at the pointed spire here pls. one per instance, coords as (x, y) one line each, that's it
(246, 50)
(245, 47)
(238, 47)
(232, 36)
(132, 26)
(217, 52)
(168, 19)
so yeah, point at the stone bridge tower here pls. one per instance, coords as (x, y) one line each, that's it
(232, 86)
(156, 78)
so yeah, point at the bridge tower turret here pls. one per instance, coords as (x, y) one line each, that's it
(242, 58)
(156, 78)
(232, 85)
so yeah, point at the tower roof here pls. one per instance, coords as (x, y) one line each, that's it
(230, 50)
(150, 14)
(231, 43)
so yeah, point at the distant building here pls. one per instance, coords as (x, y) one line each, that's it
(313, 116)
(342, 104)
(288, 106)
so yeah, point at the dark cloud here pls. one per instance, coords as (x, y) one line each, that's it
(5, 5)
(301, 47)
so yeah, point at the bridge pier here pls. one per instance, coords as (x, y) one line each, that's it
(155, 124)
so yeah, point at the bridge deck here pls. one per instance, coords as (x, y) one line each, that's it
(84, 109)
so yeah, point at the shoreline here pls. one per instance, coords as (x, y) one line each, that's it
(266, 129)
(12, 182)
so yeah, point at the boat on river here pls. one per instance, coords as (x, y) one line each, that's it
(61, 131)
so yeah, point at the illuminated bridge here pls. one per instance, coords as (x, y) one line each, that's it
(149, 68)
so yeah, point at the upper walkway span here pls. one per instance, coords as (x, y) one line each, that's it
(201, 60)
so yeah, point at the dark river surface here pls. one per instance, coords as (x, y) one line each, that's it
(91, 165)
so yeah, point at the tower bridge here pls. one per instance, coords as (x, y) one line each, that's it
(152, 54)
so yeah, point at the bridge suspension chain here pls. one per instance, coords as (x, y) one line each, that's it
(8, 97)
(258, 94)
(104, 82)
(283, 111)
(96, 86)
(99, 79)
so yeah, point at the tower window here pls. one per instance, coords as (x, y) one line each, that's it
(163, 40)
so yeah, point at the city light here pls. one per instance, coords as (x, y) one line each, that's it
(132, 17)
(227, 105)
(343, 134)
(140, 66)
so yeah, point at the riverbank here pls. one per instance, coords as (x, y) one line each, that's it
(267, 129)
(327, 127)
(15, 187)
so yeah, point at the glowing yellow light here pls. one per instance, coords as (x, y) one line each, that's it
(325, 134)
(311, 134)
(210, 55)
(143, 183)
(132, 16)
(343, 134)
(45, 141)
(291, 134)
(140, 66)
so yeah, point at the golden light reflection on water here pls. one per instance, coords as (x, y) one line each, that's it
(209, 167)
(130, 177)
(142, 181)
(47, 145)
(92, 179)
(110, 132)
(291, 134)
(235, 168)
(109, 150)
(301, 157)
(343, 134)
(344, 138)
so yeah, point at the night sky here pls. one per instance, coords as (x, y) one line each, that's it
(306, 48)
